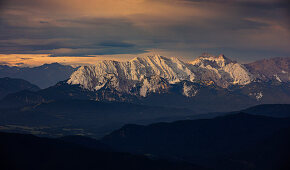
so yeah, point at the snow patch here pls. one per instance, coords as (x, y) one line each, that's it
(277, 78)
(257, 95)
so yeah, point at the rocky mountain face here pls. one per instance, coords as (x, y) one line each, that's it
(42, 76)
(221, 70)
(271, 69)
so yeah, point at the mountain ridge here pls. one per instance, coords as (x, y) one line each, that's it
(141, 76)
(206, 141)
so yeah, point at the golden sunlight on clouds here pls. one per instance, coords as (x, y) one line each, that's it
(32, 60)
(140, 12)
(122, 8)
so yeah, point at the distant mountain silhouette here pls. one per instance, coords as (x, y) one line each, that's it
(27, 152)
(271, 153)
(205, 141)
(272, 110)
(10, 85)
(43, 76)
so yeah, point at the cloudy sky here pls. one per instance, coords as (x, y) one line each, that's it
(82, 31)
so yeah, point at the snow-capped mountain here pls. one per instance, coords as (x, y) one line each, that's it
(152, 74)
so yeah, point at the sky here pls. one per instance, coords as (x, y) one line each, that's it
(33, 32)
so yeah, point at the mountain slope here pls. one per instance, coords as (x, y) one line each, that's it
(43, 76)
(10, 85)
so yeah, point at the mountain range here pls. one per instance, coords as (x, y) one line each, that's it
(206, 84)
(151, 74)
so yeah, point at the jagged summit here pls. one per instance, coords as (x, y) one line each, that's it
(220, 60)
(156, 59)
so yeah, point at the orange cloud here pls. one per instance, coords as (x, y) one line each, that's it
(31, 60)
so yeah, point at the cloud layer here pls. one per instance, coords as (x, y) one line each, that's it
(242, 28)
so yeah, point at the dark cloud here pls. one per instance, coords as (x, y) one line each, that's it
(79, 37)
(242, 27)
(4, 63)
(256, 7)
(116, 44)
(43, 22)
(19, 64)
(26, 58)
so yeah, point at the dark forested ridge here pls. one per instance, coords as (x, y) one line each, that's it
(232, 139)
(27, 152)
